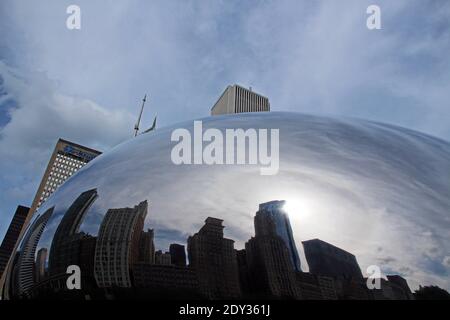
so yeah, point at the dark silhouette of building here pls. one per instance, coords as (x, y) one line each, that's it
(214, 259)
(327, 287)
(269, 255)
(65, 248)
(165, 281)
(244, 273)
(86, 260)
(313, 287)
(177, 254)
(394, 288)
(117, 246)
(12, 236)
(163, 258)
(26, 261)
(308, 285)
(147, 247)
(431, 293)
(272, 219)
(400, 287)
(328, 260)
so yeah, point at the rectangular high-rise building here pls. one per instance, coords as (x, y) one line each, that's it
(11, 236)
(215, 261)
(177, 254)
(272, 219)
(236, 99)
(327, 260)
(66, 159)
(117, 246)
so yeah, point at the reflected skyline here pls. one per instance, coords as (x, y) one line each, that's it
(350, 181)
(123, 258)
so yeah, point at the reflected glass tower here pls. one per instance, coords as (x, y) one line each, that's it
(326, 259)
(271, 218)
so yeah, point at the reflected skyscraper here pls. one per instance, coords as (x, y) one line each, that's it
(147, 247)
(271, 218)
(40, 269)
(328, 260)
(163, 258)
(177, 254)
(269, 255)
(65, 248)
(118, 245)
(26, 261)
(214, 259)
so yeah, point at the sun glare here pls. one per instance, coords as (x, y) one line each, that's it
(296, 207)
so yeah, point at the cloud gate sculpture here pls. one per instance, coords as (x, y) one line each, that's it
(346, 195)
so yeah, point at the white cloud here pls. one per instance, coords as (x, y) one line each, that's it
(39, 117)
(446, 261)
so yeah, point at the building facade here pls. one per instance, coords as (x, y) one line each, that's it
(163, 258)
(236, 99)
(271, 219)
(214, 259)
(12, 236)
(25, 273)
(65, 248)
(166, 281)
(118, 245)
(40, 270)
(66, 159)
(177, 254)
(326, 259)
(147, 247)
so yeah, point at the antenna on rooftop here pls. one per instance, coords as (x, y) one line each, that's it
(136, 127)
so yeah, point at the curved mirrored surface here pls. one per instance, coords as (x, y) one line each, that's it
(345, 195)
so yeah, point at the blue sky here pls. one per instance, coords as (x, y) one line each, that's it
(306, 56)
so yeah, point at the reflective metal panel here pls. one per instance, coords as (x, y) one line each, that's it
(138, 225)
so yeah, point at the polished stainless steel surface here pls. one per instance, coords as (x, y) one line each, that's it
(378, 191)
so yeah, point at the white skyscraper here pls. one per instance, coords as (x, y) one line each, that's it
(236, 99)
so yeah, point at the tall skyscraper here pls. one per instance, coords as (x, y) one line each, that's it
(66, 159)
(325, 259)
(236, 99)
(11, 236)
(271, 218)
(118, 245)
(177, 254)
(26, 262)
(147, 247)
(271, 254)
(65, 248)
(214, 259)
